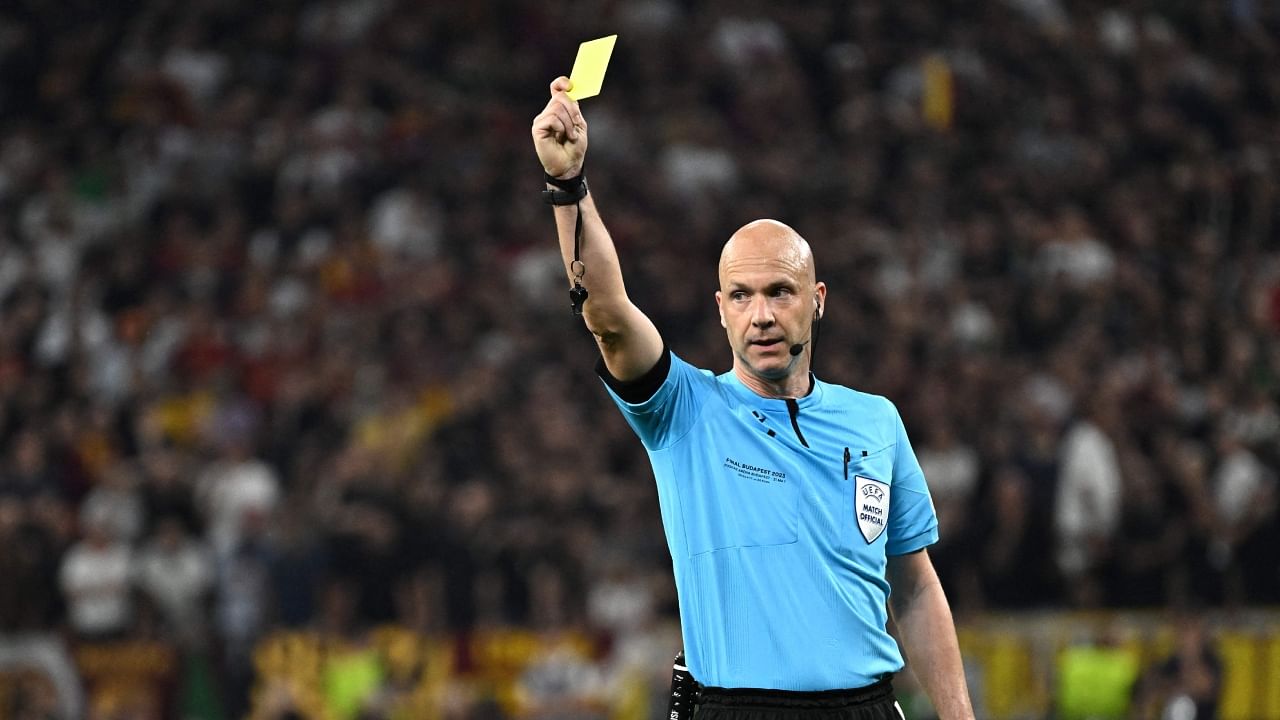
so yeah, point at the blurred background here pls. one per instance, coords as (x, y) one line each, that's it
(295, 421)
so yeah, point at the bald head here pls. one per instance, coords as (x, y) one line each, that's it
(769, 300)
(768, 242)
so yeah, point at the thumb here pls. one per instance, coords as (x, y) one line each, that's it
(561, 84)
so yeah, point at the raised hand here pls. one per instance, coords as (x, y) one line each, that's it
(560, 133)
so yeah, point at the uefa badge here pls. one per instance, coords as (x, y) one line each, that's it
(871, 506)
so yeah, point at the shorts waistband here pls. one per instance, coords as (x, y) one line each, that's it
(757, 697)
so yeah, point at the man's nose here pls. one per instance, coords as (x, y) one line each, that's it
(761, 312)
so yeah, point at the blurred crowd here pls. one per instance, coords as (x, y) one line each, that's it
(284, 340)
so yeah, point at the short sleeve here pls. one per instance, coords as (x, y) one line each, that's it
(913, 524)
(673, 408)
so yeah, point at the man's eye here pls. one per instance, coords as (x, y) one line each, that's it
(738, 296)
(781, 292)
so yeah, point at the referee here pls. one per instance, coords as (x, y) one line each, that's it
(791, 506)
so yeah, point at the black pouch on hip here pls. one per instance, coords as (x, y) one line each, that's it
(684, 691)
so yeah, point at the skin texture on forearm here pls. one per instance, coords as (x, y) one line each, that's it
(603, 276)
(628, 340)
(928, 634)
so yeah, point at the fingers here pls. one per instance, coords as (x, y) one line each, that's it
(559, 119)
(571, 109)
(566, 119)
(572, 116)
(549, 123)
(555, 122)
(560, 132)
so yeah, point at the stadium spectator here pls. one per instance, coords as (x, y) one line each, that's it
(176, 573)
(1087, 510)
(1188, 683)
(96, 578)
(29, 556)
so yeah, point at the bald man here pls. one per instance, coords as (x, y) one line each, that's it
(791, 506)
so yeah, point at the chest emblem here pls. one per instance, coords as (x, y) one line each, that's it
(871, 506)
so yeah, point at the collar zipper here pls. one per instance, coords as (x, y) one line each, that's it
(793, 409)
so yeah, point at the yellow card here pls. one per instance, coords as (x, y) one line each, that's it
(589, 67)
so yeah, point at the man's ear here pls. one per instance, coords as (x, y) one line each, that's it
(720, 307)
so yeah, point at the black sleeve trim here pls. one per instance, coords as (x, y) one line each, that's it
(909, 552)
(642, 388)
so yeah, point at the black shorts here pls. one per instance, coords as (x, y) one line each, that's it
(873, 702)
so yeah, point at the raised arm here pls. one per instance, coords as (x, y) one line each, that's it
(628, 340)
(928, 633)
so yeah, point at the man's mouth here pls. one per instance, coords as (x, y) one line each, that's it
(765, 343)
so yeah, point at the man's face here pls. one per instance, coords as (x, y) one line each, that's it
(767, 299)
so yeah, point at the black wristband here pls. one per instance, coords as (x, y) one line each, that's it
(568, 185)
(570, 192)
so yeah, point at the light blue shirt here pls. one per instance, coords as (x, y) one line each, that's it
(779, 515)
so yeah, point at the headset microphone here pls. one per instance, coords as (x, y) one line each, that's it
(798, 348)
